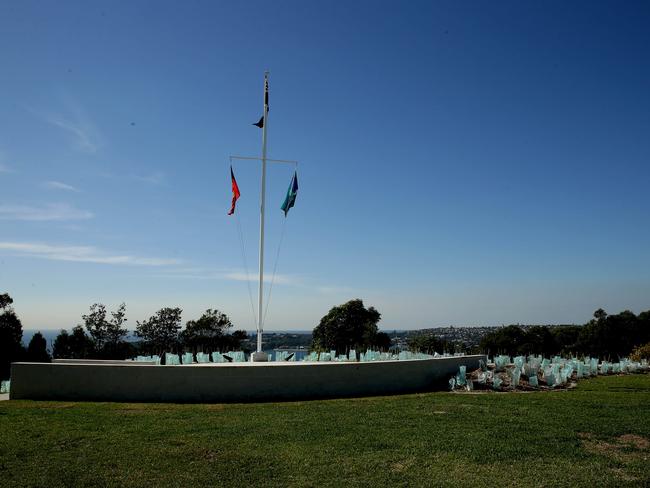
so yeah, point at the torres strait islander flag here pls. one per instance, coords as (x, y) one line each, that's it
(235, 192)
(292, 193)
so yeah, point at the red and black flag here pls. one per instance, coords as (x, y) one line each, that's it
(235, 192)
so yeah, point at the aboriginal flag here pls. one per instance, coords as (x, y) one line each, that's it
(235, 192)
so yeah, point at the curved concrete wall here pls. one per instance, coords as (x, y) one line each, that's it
(239, 382)
(100, 361)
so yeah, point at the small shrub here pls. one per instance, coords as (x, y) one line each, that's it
(641, 352)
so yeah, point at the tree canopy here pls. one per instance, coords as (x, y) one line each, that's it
(37, 349)
(348, 326)
(614, 335)
(107, 334)
(211, 332)
(605, 336)
(11, 335)
(161, 331)
(428, 344)
(73, 346)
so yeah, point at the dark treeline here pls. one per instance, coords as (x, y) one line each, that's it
(605, 336)
(431, 344)
(11, 340)
(103, 336)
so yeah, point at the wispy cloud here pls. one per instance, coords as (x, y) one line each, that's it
(57, 185)
(332, 290)
(155, 178)
(207, 274)
(82, 254)
(49, 212)
(299, 281)
(278, 280)
(83, 133)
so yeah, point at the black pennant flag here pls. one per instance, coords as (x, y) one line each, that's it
(260, 124)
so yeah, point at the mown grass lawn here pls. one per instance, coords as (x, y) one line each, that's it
(594, 435)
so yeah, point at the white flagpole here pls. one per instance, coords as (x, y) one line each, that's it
(262, 205)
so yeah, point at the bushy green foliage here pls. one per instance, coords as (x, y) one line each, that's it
(641, 352)
(211, 332)
(107, 334)
(566, 337)
(428, 343)
(605, 336)
(161, 333)
(37, 349)
(348, 326)
(614, 335)
(381, 341)
(77, 345)
(11, 336)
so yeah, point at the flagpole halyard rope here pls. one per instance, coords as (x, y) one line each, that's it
(240, 233)
(248, 279)
(275, 266)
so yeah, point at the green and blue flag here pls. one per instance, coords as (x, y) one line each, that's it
(292, 192)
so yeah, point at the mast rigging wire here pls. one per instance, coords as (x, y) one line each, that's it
(275, 266)
(243, 255)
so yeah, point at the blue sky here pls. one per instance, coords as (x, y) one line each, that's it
(460, 163)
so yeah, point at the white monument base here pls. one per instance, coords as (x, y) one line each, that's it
(259, 357)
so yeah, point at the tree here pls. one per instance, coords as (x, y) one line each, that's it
(600, 315)
(96, 324)
(236, 339)
(115, 333)
(208, 333)
(538, 340)
(160, 332)
(37, 349)
(566, 338)
(347, 326)
(73, 346)
(107, 335)
(427, 343)
(61, 345)
(381, 341)
(11, 336)
(5, 301)
(643, 327)
(612, 336)
(605, 336)
(116, 347)
(505, 340)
